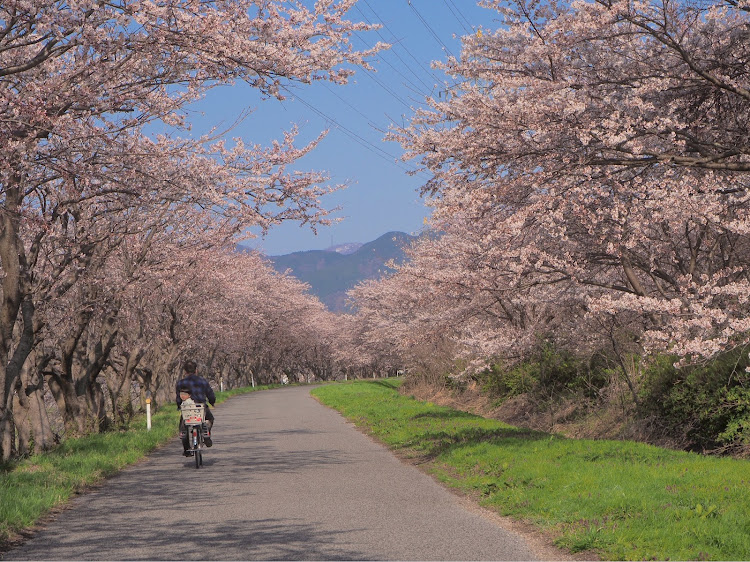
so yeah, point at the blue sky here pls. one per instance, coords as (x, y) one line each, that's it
(381, 196)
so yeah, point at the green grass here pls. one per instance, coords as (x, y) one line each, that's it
(32, 487)
(621, 500)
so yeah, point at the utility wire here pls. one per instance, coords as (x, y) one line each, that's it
(359, 139)
(396, 41)
(395, 96)
(395, 51)
(456, 16)
(450, 3)
(420, 64)
(397, 71)
(429, 28)
(354, 108)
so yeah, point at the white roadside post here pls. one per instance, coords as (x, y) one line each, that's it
(148, 414)
(221, 384)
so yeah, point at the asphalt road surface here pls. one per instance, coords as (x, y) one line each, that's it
(286, 479)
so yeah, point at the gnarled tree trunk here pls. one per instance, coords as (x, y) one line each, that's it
(30, 415)
(16, 306)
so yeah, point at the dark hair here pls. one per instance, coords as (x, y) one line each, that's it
(190, 367)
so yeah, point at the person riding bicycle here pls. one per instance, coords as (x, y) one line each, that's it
(200, 391)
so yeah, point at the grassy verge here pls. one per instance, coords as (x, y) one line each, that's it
(31, 488)
(621, 500)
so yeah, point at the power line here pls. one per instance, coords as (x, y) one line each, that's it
(395, 96)
(450, 3)
(357, 138)
(397, 71)
(420, 64)
(395, 52)
(429, 28)
(353, 108)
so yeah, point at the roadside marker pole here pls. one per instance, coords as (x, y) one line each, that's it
(148, 414)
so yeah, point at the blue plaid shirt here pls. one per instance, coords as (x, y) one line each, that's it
(200, 390)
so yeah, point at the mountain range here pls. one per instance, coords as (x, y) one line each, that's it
(335, 270)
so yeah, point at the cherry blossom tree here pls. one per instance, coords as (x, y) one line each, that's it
(244, 320)
(597, 152)
(81, 81)
(158, 299)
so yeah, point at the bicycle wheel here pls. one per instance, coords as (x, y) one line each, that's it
(195, 443)
(199, 451)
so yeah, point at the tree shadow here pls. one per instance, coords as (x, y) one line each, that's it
(137, 502)
(433, 443)
(387, 383)
(446, 415)
(191, 538)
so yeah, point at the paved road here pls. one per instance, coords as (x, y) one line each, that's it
(287, 479)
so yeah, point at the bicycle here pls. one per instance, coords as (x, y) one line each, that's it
(194, 424)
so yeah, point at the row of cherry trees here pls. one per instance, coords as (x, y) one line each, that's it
(114, 241)
(590, 186)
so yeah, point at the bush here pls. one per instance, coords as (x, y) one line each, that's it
(502, 383)
(547, 371)
(703, 406)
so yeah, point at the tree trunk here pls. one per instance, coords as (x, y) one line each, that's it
(164, 376)
(64, 393)
(41, 428)
(22, 422)
(7, 434)
(145, 379)
(15, 298)
(96, 406)
(29, 411)
(91, 367)
(32, 424)
(119, 386)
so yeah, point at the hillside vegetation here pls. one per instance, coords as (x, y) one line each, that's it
(701, 408)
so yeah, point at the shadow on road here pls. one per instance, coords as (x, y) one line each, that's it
(142, 497)
(192, 538)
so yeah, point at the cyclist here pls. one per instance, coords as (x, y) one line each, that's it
(196, 387)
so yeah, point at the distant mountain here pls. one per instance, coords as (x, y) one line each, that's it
(334, 271)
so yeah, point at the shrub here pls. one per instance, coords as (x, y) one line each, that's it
(704, 406)
(547, 371)
(503, 383)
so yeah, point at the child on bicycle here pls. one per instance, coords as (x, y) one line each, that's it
(199, 390)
